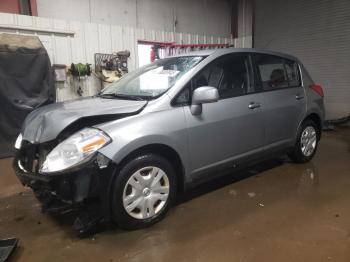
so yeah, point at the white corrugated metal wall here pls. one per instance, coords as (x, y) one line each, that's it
(73, 42)
(245, 21)
(207, 17)
(316, 31)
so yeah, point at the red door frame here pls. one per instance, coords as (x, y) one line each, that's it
(14, 7)
(10, 6)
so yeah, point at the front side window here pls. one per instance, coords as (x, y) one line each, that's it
(276, 72)
(230, 74)
(152, 80)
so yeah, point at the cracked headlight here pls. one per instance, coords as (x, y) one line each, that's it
(74, 150)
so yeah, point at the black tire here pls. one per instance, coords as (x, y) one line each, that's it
(296, 155)
(119, 214)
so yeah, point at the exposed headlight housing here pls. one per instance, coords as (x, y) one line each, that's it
(18, 143)
(75, 150)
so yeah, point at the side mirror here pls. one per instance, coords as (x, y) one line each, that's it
(203, 95)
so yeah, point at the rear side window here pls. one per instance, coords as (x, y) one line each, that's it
(276, 72)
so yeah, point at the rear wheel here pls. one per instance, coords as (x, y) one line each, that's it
(307, 142)
(143, 191)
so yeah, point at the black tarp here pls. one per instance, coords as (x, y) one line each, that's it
(26, 83)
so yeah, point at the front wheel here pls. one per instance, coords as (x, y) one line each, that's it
(143, 191)
(307, 142)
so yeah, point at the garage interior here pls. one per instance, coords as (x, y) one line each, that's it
(273, 211)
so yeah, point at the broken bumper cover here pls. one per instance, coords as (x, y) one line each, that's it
(70, 189)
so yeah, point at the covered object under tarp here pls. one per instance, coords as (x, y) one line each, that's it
(26, 83)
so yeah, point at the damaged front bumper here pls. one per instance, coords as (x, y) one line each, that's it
(83, 187)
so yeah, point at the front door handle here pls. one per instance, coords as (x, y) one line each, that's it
(299, 97)
(254, 105)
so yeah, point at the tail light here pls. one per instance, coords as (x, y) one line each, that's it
(318, 89)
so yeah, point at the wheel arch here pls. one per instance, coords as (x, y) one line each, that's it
(314, 117)
(317, 120)
(165, 151)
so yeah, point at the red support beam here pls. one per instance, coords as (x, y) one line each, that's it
(33, 8)
(199, 45)
(173, 45)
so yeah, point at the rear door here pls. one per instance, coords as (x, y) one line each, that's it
(233, 127)
(285, 106)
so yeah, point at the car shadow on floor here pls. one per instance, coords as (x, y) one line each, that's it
(230, 178)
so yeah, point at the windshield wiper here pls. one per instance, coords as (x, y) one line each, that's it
(123, 96)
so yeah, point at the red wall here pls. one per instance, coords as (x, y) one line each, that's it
(10, 6)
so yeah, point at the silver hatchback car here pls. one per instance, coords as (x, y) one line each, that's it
(127, 152)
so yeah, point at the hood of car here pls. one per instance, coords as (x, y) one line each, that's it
(46, 123)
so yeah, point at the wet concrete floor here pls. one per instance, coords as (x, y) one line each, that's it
(277, 211)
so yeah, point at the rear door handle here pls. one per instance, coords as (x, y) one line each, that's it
(298, 97)
(254, 105)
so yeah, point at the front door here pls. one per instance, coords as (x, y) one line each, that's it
(233, 127)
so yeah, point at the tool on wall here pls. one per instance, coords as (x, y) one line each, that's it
(60, 72)
(80, 70)
(110, 67)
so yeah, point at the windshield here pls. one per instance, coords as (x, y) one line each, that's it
(152, 80)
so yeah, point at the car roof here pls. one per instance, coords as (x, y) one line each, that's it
(223, 51)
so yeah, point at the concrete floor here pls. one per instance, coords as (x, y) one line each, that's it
(277, 211)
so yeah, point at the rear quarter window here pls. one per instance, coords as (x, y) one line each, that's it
(293, 74)
(277, 72)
